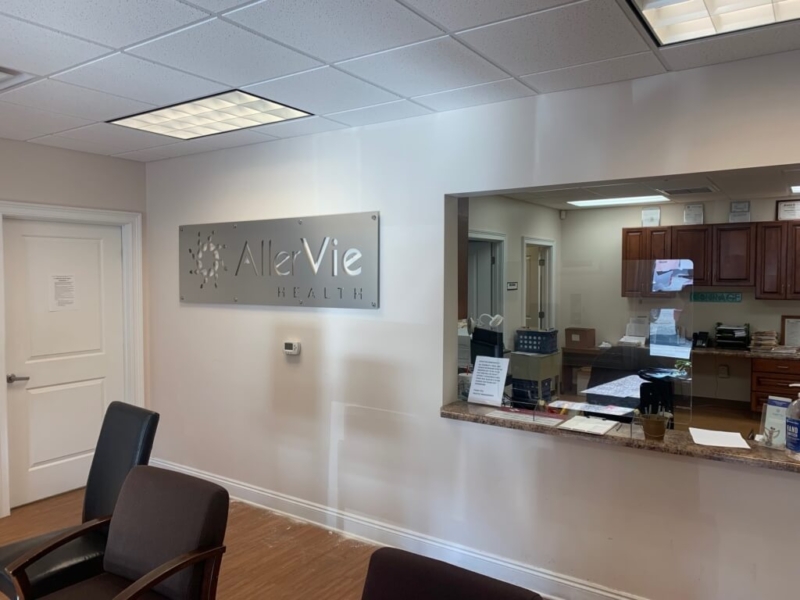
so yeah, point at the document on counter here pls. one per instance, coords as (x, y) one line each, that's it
(595, 408)
(525, 418)
(589, 425)
(720, 439)
(488, 380)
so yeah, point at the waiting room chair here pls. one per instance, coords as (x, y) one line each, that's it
(164, 542)
(399, 575)
(126, 439)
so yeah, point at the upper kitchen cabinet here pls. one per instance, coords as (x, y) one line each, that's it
(641, 246)
(634, 251)
(693, 242)
(734, 254)
(793, 262)
(771, 261)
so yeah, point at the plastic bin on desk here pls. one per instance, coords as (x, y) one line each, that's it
(536, 341)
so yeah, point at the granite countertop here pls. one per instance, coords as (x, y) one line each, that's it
(743, 354)
(676, 442)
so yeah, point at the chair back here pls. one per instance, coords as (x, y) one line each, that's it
(399, 575)
(126, 439)
(162, 515)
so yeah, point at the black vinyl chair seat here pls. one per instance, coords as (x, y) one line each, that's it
(398, 575)
(125, 441)
(102, 587)
(70, 564)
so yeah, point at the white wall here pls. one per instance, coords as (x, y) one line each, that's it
(45, 175)
(354, 423)
(515, 220)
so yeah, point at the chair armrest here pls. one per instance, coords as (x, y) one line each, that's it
(147, 582)
(16, 570)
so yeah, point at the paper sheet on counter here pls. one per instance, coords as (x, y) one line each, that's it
(720, 439)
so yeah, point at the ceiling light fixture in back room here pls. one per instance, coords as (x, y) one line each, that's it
(619, 201)
(673, 21)
(220, 113)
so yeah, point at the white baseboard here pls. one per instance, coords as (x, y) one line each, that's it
(554, 586)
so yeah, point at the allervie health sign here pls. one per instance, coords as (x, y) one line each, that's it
(330, 261)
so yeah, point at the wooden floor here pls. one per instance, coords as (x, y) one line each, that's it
(269, 556)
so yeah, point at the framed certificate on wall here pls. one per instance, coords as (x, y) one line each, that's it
(790, 331)
(788, 210)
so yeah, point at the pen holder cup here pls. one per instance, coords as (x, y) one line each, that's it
(655, 427)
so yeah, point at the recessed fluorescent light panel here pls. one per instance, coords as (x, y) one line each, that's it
(618, 201)
(674, 21)
(796, 189)
(212, 115)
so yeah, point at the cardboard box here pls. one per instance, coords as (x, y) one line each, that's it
(580, 337)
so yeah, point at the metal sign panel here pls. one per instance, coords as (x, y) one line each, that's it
(330, 261)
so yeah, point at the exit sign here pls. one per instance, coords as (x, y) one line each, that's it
(728, 297)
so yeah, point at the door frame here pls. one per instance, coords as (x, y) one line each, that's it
(549, 275)
(130, 225)
(479, 235)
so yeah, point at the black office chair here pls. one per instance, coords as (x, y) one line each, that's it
(126, 439)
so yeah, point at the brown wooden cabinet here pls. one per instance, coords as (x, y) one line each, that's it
(793, 262)
(634, 250)
(761, 255)
(771, 261)
(693, 242)
(734, 254)
(641, 246)
(771, 376)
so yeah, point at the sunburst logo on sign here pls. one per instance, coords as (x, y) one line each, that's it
(207, 260)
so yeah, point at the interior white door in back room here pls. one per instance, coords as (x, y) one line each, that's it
(64, 345)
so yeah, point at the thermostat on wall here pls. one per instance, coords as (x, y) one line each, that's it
(291, 348)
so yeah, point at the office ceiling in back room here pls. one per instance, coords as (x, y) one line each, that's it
(348, 63)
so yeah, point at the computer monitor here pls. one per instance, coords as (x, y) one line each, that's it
(486, 342)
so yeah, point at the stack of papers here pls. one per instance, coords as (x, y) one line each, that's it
(764, 340)
(720, 439)
(589, 425)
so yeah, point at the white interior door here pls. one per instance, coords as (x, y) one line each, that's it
(64, 331)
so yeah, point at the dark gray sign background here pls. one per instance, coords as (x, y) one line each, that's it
(212, 254)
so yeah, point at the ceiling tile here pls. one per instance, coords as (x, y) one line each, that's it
(425, 68)
(113, 139)
(391, 111)
(621, 190)
(59, 97)
(214, 142)
(115, 23)
(224, 52)
(462, 14)
(39, 122)
(322, 91)
(298, 127)
(70, 144)
(31, 49)
(486, 93)
(141, 80)
(563, 37)
(335, 31)
(781, 37)
(218, 5)
(605, 71)
(146, 155)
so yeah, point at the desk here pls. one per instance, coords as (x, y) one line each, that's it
(627, 387)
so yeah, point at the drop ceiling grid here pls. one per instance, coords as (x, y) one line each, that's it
(479, 57)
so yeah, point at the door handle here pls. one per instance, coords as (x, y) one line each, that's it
(13, 378)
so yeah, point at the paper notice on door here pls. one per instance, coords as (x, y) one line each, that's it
(61, 293)
(488, 380)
